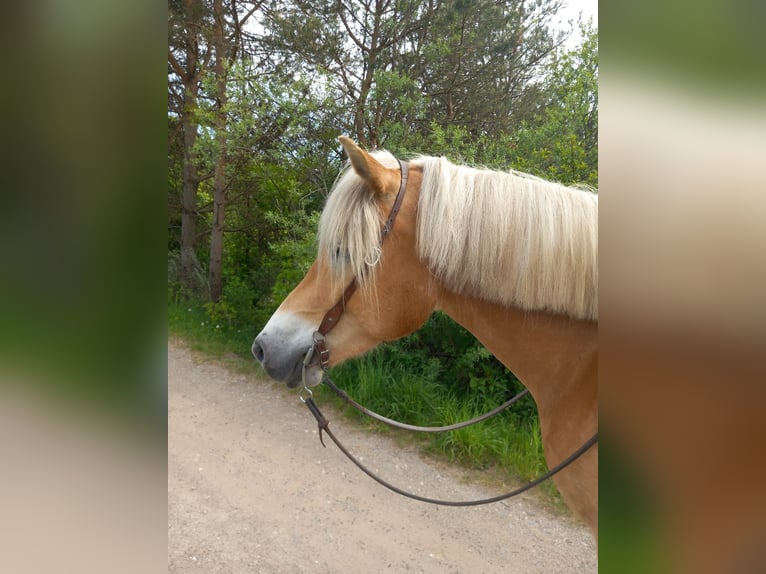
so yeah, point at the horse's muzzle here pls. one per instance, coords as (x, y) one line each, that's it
(278, 365)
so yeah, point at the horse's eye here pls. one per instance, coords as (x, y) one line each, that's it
(341, 256)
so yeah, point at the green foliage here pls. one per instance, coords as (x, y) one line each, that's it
(295, 253)
(240, 297)
(289, 260)
(236, 307)
(418, 389)
(484, 380)
(440, 375)
(191, 321)
(220, 312)
(452, 353)
(560, 142)
(177, 291)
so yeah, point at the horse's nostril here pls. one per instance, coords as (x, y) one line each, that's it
(258, 352)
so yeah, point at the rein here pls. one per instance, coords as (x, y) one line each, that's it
(319, 352)
(324, 426)
(404, 426)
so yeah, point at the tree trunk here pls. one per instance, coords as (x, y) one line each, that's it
(188, 273)
(215, 279)
(189, 201)
(219, 175)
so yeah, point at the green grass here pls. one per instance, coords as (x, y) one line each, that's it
(509, 444)
(191, 323)
(506, 443)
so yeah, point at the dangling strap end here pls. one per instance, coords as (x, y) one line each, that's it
(322, 422)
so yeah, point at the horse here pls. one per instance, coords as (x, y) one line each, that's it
(510, 257)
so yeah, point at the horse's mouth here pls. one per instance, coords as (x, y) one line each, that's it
(296, 378)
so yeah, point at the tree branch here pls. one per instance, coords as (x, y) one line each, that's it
(177, 68)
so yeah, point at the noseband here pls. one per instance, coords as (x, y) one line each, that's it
(319, 348)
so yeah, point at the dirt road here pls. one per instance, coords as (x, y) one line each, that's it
(251, 490)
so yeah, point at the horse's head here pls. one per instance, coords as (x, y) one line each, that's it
(395, 294)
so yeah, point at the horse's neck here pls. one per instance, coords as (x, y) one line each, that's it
(552, 355)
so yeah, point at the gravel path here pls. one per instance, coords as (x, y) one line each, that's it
(250, 489)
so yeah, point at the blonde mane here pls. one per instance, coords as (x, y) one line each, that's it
(509, 238)
(349, 228)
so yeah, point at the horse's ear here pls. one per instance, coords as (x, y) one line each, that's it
(366, 166)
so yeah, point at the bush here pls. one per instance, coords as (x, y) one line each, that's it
(177, 291)
(290, 261)
(240, 298)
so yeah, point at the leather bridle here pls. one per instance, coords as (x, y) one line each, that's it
(321, 353)
(319, 347)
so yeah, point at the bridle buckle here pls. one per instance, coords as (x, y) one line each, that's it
(320, 347)
(317, 353)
